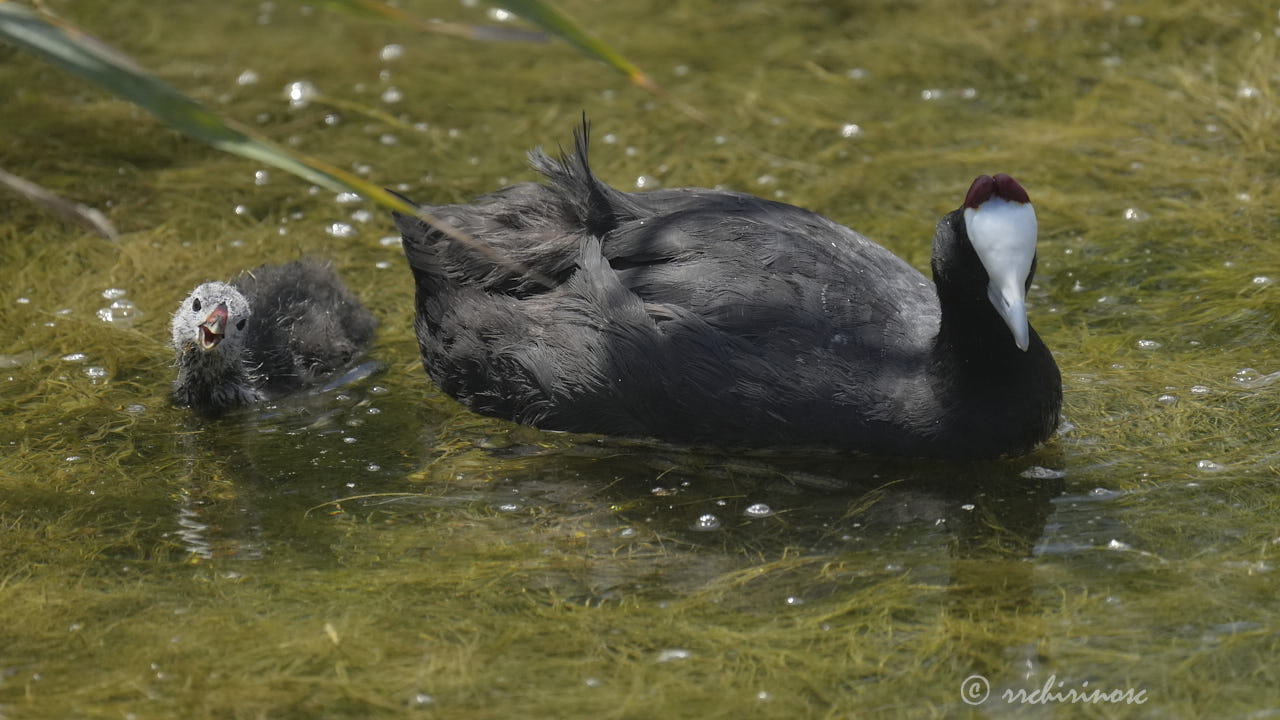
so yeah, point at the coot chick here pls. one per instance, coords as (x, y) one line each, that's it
(704, 316)
(269, 332)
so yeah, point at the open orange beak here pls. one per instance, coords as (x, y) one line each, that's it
(214, 327)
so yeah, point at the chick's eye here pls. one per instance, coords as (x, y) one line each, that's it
(195, 305)
(240, 325)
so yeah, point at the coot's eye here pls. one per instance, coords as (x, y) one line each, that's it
(240, 325)
(195, 305)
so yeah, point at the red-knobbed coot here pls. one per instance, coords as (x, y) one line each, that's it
(703, 316)
(272, 330)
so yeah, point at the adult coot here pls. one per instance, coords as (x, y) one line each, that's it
(701, 316)
(270, 331)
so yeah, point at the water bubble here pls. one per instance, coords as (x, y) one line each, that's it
(95, 373)
(1148, 344)
(247, 77)
(969, 93)
(23, 301)
(499, 15)
(706, 523)
(300, 93)
(931, 94)
(240, 210)
(75, 357)
(1135, 215)
(1245, 375)
(1247, 91)
(362, 216)
(391, 241)
(509, 507)
(644, 181)
(766, 179)
(793, 600)
(1167, 399)
(758, 510)
(680, 70)
(1117, 545)
(340, 230)
(382, 265)
(388, 139)
(968, 507)
(120, 312)
(109, 294)
(1037, 472)
(856, 73)
(261, 177)
(373, 467)
(1200, 390)
(592, 682)
(1209, 466)
(850, 130)
(392, 95)
(135, 408)
(392, 52)
(674, 654)
(627, 532)
(764, 696)
(350, 440)
(1261, 280)
(420, 699)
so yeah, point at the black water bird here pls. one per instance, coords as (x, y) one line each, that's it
(705, 316)
(271, 331)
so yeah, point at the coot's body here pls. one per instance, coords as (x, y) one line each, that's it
(702, 316)
(271, 331)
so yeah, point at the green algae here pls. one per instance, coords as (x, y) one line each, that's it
(319, 559)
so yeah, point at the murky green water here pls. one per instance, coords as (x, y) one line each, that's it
(375, 550)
